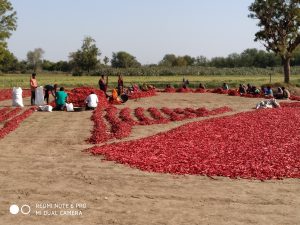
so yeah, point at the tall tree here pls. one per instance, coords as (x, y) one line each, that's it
(106, 60)
(86, 58)
(279, 22)
(8, 23)
(8, 20)
(168, 60)
(34, 58)
(123, 60)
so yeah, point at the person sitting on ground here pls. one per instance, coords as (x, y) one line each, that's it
(135, 88)
(185, 83)
(264, 89)
(225, 86)
(249, 89)
(279, 94)
(61, 97)
(49, 89)
(144, 87)
(91, 101)
(286, 93)
(201, 86)
(255, 91)
(115, 98)
(242, 89)
(269, 92)
(150, 87)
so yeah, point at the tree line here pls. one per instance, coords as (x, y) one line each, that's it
(278, 22)
(87, 60)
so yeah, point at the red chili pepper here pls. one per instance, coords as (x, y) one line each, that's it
(251, 145)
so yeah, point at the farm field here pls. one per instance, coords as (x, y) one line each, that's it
(67, 80)
(45, 160)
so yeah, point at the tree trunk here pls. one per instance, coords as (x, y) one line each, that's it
(286, 69)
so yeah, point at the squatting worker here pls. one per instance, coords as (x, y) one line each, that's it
(49, 89)
(91, 101)
(33, 86)
(61, 97)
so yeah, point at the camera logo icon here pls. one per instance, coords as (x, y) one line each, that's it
(14, 209)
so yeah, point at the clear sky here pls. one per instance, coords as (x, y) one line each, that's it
(147, 29)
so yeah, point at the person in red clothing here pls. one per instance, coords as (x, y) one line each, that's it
(33, 86)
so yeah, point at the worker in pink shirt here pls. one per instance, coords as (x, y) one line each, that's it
(33, 86)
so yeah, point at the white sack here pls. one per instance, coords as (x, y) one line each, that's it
(70, 107)
(17, 99)
(39, 96)
(46, 108)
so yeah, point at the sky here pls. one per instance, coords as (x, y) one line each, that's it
(147, 29)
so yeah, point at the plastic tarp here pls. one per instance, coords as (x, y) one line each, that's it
(39, 96)
(270, 103)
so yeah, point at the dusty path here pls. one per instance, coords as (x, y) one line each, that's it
(42, 162)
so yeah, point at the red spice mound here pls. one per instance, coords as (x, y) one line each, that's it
(139, 113)
(170, 90)
(157, 115)
(11, 114)
(219, 91)
(13, 123)
(126, 116)
(142, 94)
(119, 129)
(77, 96)
(184, 90)
(4, 110)
(233, 93)
(295, 97)
(99, 133)
(263, 144)
(200, 90)
(290, 104)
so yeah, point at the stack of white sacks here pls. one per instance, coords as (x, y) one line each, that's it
(17, 99)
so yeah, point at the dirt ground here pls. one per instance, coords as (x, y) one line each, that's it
(43, 161)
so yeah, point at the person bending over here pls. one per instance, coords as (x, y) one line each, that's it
(49, 89)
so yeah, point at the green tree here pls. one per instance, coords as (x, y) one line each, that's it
(123, 60)
(86, 59)
(34, 58)
(168, 60)
(279, 22)
(8, 62)
(48, 65)
(8, 23)
(8, 20)
(106, 60)
(189, 60)
(201, 61)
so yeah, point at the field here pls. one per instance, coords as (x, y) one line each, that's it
(151, 173)
(67, 80)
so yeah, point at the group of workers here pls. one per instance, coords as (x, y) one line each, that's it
(281, 93)
(120, 94)
(61, 97)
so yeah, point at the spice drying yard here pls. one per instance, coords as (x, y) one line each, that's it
(44, 160)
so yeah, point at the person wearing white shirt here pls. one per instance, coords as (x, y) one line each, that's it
(91, 101)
